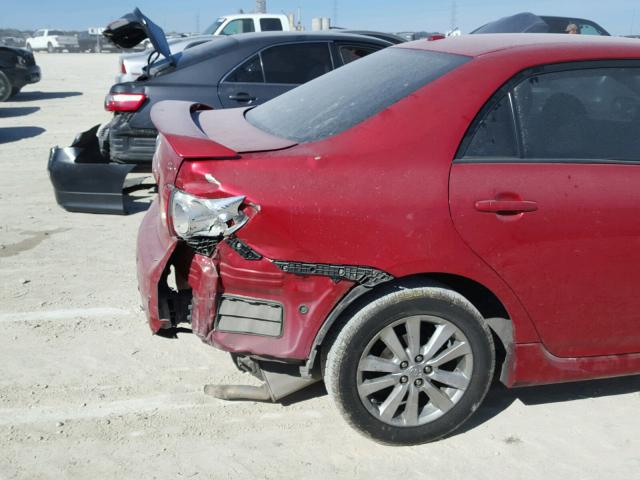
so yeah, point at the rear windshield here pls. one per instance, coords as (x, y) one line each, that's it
(349, 95)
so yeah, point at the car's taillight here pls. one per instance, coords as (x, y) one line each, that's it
(192, 216)
(436, 36)
(123, 68)
(124, 102)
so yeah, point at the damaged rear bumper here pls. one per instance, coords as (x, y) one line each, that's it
(154, 249)
(84, 181)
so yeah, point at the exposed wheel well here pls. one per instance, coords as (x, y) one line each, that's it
(487, 303)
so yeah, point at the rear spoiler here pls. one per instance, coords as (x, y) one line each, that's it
(176, 121)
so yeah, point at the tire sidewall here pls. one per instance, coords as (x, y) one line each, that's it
(4, 80)
(373, 321)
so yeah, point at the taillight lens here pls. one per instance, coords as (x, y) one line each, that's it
(123, 68)
(124, 102)
(191, 216)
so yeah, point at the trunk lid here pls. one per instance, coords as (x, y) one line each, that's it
(132, 28)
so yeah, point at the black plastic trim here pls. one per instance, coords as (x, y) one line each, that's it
(365, 276)
(244, 250)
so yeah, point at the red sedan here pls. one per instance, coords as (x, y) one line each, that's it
(407, 224)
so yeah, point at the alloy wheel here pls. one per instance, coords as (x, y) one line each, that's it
(414, 370)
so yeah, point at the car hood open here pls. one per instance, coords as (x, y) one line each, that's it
(132, 28)
(519, 23)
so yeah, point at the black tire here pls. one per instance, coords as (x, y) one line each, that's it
(50, 48)
(5, 87)
(349, 345)
(14, 92)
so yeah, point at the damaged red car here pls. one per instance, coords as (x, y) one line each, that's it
(407, 224)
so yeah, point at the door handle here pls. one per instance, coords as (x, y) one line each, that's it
(241, 97)
(506, 206)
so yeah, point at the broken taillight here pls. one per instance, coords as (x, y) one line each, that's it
(124, 102)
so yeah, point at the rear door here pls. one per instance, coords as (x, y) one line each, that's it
(546, 189)
(274, 71)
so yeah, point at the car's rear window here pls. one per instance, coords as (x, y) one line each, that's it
(349, 95)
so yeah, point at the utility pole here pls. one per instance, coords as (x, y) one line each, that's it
(454, 16)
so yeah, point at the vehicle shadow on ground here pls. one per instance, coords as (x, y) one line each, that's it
(17, 111)
(133, 205)
(500, 397)
(31, 96)
(13, 134)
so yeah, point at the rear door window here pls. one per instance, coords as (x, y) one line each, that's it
(585, 115)
(240, 25)
(296, 63)
(270, 24)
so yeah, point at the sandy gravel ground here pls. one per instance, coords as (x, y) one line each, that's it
(87, 393)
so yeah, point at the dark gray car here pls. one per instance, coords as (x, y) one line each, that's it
(228, 72)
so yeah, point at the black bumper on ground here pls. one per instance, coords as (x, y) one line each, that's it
(84, 181)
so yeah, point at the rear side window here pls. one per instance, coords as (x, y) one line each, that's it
(335, 102)
(349, 53)
(249, 72)
(270, 24)
(495, 136)
(296, 63)
(242, 25)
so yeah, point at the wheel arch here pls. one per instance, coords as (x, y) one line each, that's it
(482, 298)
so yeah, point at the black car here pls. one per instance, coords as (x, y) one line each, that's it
(228, 72)
(17, 69)
(530, 23)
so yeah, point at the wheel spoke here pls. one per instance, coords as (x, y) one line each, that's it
(413, 336)
(437, 397)
(390, 406)
(377, 364)
(371, 386)
(391, 340)
(411, 407)
(442, 333)
(458, 349)
(453, 379)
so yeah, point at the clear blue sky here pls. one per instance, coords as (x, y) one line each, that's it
(618, 16)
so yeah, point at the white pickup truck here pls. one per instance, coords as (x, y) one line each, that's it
(52, 41)
(249, 22)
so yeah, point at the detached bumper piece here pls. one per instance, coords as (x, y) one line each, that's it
(84, 181)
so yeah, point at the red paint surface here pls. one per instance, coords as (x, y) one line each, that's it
(379, 195)
(154, 249)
